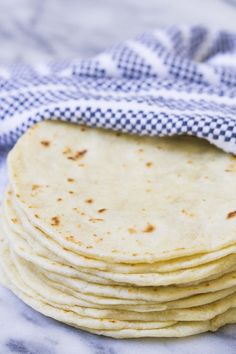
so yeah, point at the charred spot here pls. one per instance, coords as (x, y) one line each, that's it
(231, 215)
(100, 211)
(55, 221)
(149, 164)
(45, 143)
(149, 228)
(77, 155)
(89, 201)
(70, 180)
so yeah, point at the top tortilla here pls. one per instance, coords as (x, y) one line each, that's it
(124, 198)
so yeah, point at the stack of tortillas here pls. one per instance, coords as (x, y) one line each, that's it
(119, 235)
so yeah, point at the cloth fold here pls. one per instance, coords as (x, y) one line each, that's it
(175, 80)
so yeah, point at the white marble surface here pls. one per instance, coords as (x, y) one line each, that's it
(35, 30)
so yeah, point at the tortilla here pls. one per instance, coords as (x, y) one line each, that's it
(98, 196)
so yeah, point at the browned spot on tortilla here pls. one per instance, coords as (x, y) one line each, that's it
(59, 199)
(67, 150)
(88, 247)
(71, 192)
(149, 228)
(231, 215)
(14, 220)
(79, 211)
(94, 220)
(187, 213)
(230, 169)
(77, 155)
(35, 187)
(55, 221)
(102, 210)
(232, 165)
(89, 201)
(132, 230)
(149, 164)
(37, 216)
(45, 143)
(66, 249)
(70, 238)
(70, 179)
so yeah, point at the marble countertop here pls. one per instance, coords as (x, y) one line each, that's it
(35, 30)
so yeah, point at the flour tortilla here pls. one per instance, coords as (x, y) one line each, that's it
(207, 312)
(18, 286)
(35, 237)
(158, 294)
(179, 329)
(22, 248)
(150, 307)
(215, 268)
(182, 329)
(127, 176)
(219, 266)
(193, 314)
(29, 273)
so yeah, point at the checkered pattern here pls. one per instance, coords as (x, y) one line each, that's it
(176, 80)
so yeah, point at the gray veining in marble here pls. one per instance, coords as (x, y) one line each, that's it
(36, 30)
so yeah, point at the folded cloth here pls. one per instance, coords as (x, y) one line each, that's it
(175, 80)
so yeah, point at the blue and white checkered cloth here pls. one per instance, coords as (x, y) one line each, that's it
(176, 80)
